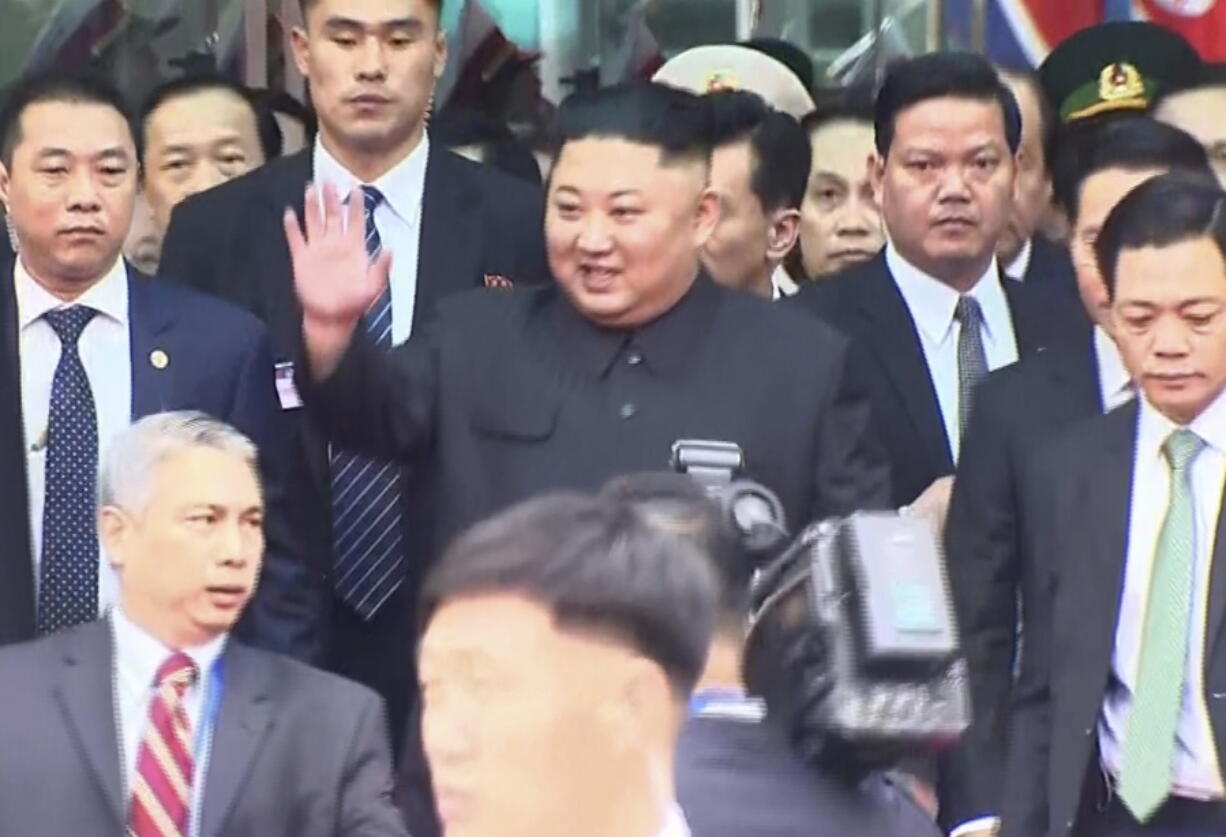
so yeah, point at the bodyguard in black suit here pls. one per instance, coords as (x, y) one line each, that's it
(449, 225)
(1017, 409)
(139, 347)
(1119, 719)
(947, 132)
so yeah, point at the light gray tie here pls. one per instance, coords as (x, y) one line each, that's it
(972, 360)
(1149, 741)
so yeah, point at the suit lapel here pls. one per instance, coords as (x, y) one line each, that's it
(153, 362)
(1029, 319)
(449, 255)
(1074, 375)
(1109, 495)
(893, 337)
(87, 694)
(1217, 587)
(244, 718)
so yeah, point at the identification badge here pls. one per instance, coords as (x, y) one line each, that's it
(286, 391)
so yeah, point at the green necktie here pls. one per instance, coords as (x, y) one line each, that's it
(1149, 742)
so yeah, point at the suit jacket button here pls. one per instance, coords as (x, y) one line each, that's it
(628, 411)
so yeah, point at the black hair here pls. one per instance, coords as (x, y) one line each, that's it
(599, 567)
(1165, 210)
(675, 121)
(1131, 143)
(961, 75)
(781, 151)
(265, 124)
(1048, 120)
(679, 506)
(1212, 75)
(456, 126)
(56, 86)
(840, 104)
(282, 101)
(788, 54)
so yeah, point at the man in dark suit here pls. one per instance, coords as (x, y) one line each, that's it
(1025, 253)
(155, 721)
(450, 225)
(1016, 410)
(511, 394)
(89, 345)
(738, 771)
(1119, 719)
(931, 314)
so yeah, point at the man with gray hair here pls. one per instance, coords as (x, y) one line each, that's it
(153, 721)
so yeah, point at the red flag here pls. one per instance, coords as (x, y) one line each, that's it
(1202, 22)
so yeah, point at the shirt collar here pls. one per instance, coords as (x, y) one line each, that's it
(782, 284)
(675, 825)
(667, 343)
(140, 655)
(402, 185)
(1112, 375)
(1017, 268)
(932, 302)
(108, 296)
(1153, 428)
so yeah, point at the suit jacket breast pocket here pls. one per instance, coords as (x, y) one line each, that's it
(506, 408)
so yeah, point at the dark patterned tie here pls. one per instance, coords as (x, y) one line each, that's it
(367, 530)
(972, 361)
(68, 569)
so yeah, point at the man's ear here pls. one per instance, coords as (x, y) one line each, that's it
(440, 53)
(782, 234)
(300, 45)
(4, 188)
(876, 176)
(114, 531)
(706, 216)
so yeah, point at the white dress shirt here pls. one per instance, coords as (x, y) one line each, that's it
(138, 656)
(105, 347)
(1114, 383)
(675, 825)
(1017, 268)
(1196, 772)
(398, 220)
(932, 304)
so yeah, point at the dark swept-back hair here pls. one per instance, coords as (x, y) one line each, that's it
(675, 121)
(840, 104)
(679, 506)
(599, 567)
(265, 124)
(307, 5)
(1132, 143)
(1166, 210)
(936, 75)
(56, 86)
(781, 151)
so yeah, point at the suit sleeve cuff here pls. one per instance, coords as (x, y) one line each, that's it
(972, 826)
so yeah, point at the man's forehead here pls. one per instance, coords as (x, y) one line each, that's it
(371, 12)
(92, 125)
(213, 112)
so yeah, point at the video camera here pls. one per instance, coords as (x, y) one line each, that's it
(869, 590)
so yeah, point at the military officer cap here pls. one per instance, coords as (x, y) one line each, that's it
(1116, 67)
(706, 69)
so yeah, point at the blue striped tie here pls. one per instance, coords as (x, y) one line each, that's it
(68, 568)
(367, 531)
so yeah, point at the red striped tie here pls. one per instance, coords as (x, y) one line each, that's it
(162, 788)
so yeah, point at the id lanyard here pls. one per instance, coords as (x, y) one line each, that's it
(202, 746)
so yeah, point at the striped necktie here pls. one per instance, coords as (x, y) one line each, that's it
(367, 530)
(162, 790)
(1149, 740)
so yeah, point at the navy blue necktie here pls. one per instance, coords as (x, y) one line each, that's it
(367, 531)
(68, 568)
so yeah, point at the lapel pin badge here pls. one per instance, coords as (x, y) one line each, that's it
(159, 359)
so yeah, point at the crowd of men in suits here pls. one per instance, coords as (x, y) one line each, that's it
(385, 415)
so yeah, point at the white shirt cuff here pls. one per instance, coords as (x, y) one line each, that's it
(975, 825)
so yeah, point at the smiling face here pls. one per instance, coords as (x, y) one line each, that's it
(624, 228)
(70, 191)
(946, 186)
(1169, 316)
(372, 66)
(190, 557)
